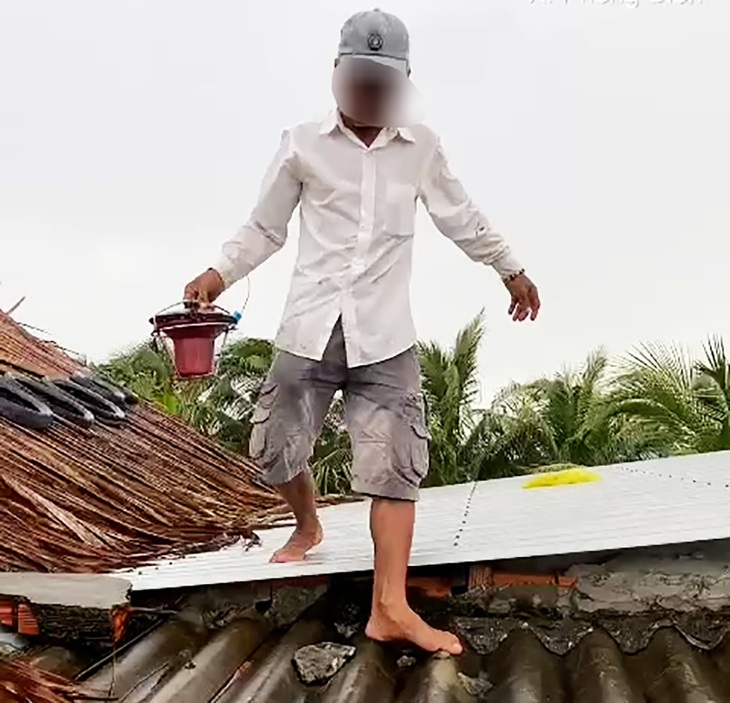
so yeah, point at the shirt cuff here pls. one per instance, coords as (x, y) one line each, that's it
(506, 265)
(226, 272)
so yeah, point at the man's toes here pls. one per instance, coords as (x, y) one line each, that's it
(450, 643)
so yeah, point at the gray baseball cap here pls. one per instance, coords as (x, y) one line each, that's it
(377, 36)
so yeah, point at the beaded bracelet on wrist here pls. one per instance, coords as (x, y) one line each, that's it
(513, 276)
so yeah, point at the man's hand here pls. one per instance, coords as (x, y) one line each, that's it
(525, 300)
(205, 288)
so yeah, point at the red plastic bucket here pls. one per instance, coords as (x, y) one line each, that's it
(193, 334)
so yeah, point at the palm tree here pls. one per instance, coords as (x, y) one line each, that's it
(332, 453)
(713, 388)
(460, 435)
(679, 404)
(659, 402)
(517, 433)
(148, 372)
(568, 420)
(221, 407)
(242, 370)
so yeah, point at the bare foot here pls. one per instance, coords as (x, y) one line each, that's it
(401, 624)
(301, 541)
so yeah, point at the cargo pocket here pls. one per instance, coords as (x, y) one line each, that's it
(419, 451)
(419, 435)
(260, 418)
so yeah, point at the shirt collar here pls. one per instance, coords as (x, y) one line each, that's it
(330, 123)
(333, 121)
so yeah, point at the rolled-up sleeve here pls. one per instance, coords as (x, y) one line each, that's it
(267, 227)
(458, 218)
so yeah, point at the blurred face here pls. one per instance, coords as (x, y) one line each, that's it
(367, 92)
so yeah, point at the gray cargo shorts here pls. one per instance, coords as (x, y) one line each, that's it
(384, 414)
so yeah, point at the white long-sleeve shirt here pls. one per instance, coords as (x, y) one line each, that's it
(357, 224)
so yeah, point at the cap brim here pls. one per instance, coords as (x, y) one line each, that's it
(399, 65)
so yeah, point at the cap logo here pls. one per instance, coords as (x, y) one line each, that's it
(375, 42)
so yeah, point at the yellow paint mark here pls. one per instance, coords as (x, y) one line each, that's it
(562, 478)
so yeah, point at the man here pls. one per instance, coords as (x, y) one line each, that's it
(347, 323)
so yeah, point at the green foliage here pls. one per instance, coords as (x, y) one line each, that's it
(466, 443)
(655, 402)
(449, 381)
(221, 407)
(332, 453)
(148, 372)
(566, 419)
(678, 405)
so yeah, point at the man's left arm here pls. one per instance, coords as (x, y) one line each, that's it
(458, 218)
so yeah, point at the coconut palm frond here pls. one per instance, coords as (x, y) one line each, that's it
(450, 385)
(715, 364)
(674, 398)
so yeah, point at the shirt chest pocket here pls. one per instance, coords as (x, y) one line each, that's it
(400, 209)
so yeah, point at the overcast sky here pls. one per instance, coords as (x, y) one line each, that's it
(594, 133)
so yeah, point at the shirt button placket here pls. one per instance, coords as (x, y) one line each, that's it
(367, 203)
(364, 233)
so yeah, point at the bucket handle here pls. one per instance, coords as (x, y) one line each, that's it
(189, 304)
(192, 304)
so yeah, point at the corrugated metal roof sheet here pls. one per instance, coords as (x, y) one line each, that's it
(245, 662)
(347, 547)
(709, 469)
(633, 505)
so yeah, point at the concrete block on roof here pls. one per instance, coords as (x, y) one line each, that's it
(87, 590)
(637, 584)
(61, 607)
(529, 598)
(289, 602)
(318, 663)
(223, 604)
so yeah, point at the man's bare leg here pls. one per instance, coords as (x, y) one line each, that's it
(391, 619)
(299, 494)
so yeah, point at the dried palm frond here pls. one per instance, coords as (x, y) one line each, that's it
(98, 499)
(23, 683)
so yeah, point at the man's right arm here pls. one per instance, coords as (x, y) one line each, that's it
(266, 230)
(264, 233)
